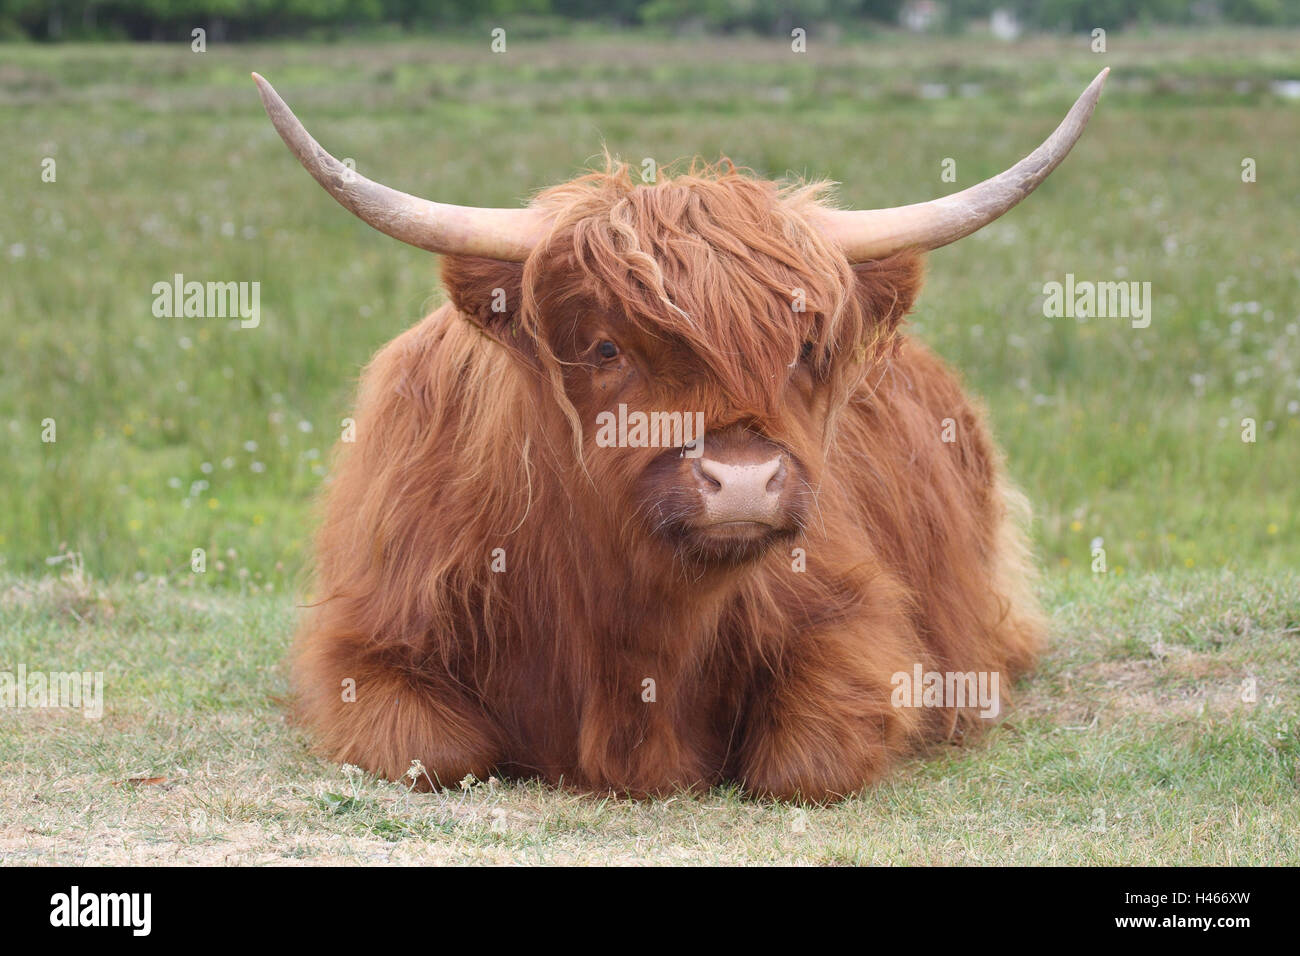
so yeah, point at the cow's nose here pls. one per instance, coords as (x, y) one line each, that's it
(740, 492)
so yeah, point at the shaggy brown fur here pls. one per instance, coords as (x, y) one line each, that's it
(475, 433)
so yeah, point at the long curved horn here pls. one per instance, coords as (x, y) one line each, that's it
(876, 233)
(508, 234)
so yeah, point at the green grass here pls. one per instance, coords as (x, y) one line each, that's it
(176, 434)
(1132, 744)
(166, 164)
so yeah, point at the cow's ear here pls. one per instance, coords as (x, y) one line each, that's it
(887, 288)
(488, 292)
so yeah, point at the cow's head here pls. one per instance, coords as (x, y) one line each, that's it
(707, 299)
(711, 297)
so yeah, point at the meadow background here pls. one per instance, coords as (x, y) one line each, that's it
(176, 434)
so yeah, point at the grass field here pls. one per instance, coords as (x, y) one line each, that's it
(1131, 745)
(177, 434)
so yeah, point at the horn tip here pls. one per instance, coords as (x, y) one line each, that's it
(270, 99)
(263, 86)
(1092, 94)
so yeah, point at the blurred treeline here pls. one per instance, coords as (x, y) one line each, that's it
(52, 20)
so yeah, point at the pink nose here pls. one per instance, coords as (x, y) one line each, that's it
(740, 492)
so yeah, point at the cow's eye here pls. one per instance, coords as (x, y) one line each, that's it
(806, 352)
(607, 350)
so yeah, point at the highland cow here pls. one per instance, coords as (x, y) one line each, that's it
(498, 592)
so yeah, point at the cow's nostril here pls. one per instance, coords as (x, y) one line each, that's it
(777, 480)
(740, 492)
(750, 479)
(707, 471)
